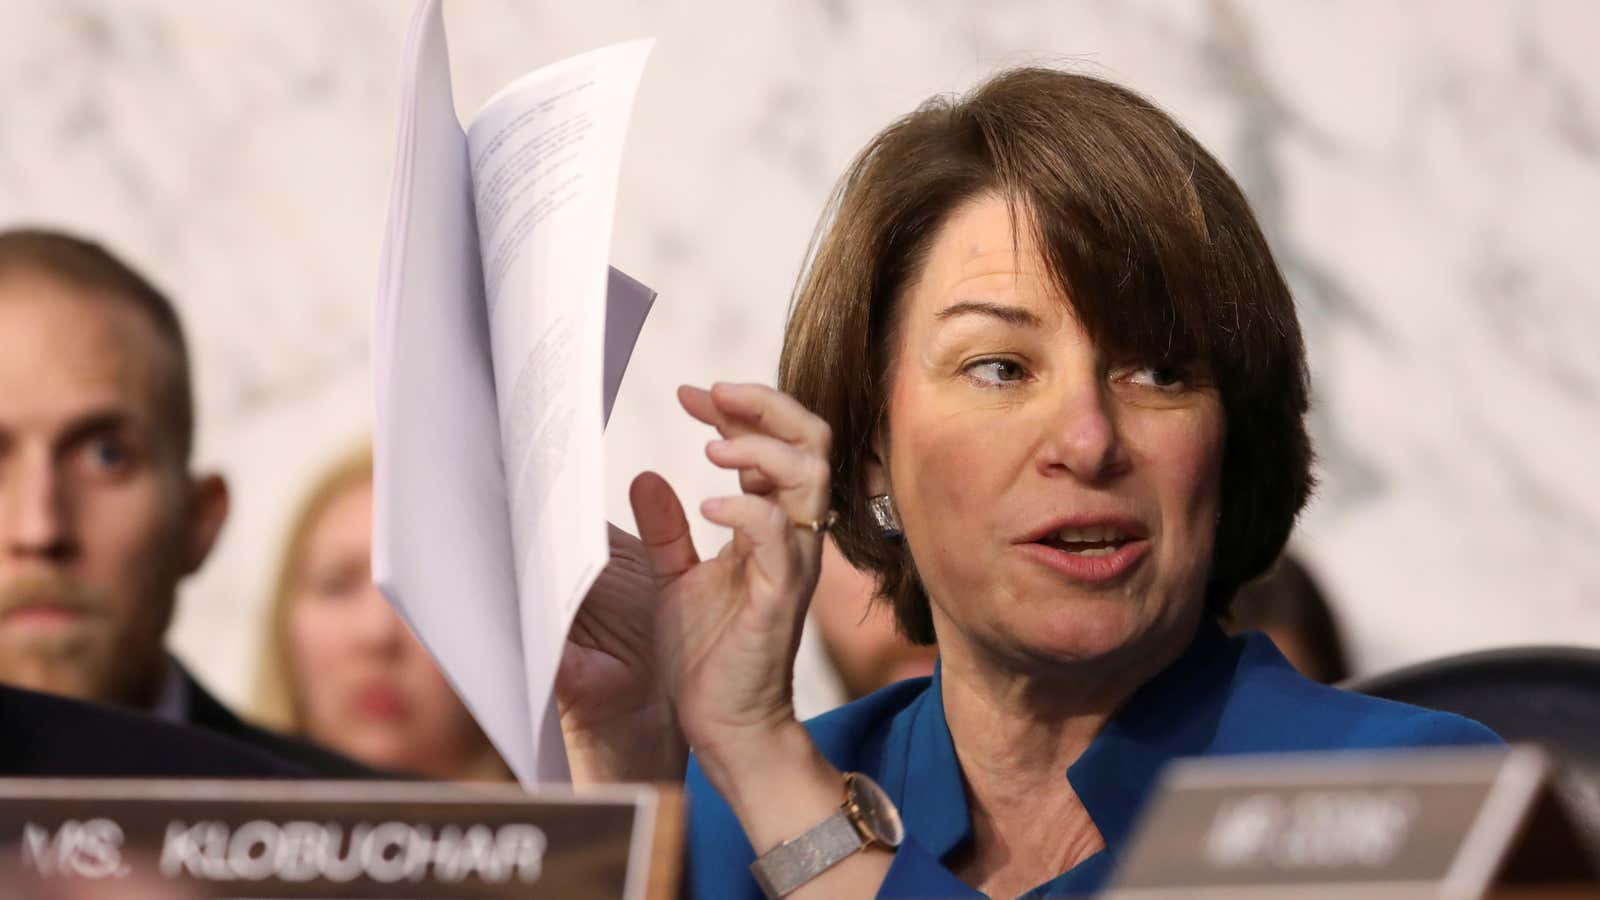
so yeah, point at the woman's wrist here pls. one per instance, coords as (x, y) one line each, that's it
(777, 783)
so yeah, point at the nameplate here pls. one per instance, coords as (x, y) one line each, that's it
(345, 839)
(1417, 823)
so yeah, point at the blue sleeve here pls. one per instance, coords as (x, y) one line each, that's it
(1441, 729)
(716, 854)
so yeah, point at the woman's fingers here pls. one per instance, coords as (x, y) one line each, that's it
(738, 409)
(796, 478)
(780, 450)
(742, 410)
(771, 411)
(663, 527)
(697, 403)
(767, 532)
(752, 481)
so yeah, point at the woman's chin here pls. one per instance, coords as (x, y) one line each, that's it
(1083, 634)
(382, 749)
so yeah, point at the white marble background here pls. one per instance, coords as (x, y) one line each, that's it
(1429, 173)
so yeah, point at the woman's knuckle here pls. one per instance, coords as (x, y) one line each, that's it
(817, 470)
(776, 517)
(823, 436)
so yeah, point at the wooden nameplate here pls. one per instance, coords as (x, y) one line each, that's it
(1446, 823)
(347, 839)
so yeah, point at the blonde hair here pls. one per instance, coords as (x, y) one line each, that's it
(276, 702)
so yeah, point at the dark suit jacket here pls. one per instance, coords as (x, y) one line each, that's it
(43, 735)
(205, 711)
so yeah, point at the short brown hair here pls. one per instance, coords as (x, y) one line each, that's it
(1143, 231)
(88, 265)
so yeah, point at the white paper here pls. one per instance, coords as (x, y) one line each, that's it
(447, 551)
(441, 543)
(545, 155)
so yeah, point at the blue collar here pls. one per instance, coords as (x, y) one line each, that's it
(1174, 714)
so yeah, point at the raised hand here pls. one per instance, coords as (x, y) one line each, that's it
(667, 645)
(616, 718)
(728, 627)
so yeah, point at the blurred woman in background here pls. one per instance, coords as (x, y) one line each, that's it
(1287, 606)
(858, 630)
(340, 667)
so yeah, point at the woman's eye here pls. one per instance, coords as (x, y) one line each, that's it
(338, 583)
(1162, 378)
(996, 371)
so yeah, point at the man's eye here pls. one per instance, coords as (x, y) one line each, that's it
(996, 371)
(108, 453)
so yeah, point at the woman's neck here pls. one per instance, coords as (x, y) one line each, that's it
(1020, 722)
(1016, 735)
(1016, 731)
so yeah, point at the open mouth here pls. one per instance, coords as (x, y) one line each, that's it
(1098, 540)
(1094, 552)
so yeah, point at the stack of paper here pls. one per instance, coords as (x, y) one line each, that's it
(495, 357)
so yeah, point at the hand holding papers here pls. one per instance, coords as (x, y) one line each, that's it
(499, 342)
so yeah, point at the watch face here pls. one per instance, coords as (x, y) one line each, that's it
(878, 816)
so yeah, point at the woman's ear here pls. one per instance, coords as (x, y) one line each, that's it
(877, 472)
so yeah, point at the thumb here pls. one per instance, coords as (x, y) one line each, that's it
(663, 527)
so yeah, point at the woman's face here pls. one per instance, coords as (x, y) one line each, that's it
(367, 687)
(1060, 503)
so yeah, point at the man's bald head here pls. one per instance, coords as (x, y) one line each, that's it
(95, 271)
(100, 516)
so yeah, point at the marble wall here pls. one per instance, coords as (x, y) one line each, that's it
(1428, 172)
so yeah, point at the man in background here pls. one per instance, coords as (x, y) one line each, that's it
(100, 514)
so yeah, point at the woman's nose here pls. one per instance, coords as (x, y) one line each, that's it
(1081, 437)
(379, 624)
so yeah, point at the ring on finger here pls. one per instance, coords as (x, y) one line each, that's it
(819, 526)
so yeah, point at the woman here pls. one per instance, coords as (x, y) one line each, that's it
(857, 631)
(1044, 379)
(1289, 608)
(340, 667)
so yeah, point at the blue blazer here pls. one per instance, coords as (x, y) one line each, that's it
(1222, 696)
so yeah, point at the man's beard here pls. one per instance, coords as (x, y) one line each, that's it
(77, 659)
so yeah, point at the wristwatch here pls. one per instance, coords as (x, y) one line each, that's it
(866, 817)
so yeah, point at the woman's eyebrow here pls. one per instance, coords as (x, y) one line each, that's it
(1011, 315)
